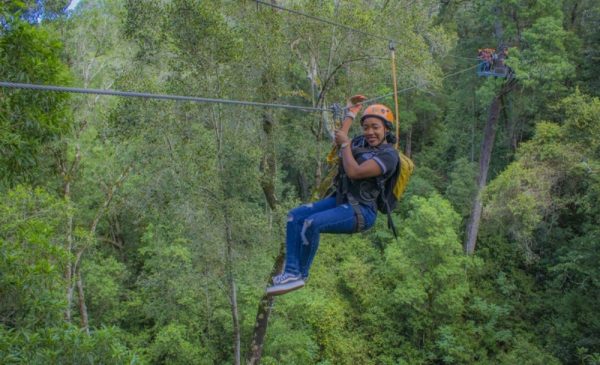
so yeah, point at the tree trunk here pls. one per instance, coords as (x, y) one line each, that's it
(69, 268)
(236, 323)
(82, 307)
(262, 315)
(67, 174)
(269, 163)
(573, 15)
(484, 164)
(229, 242)
(235, 318)
(232, 293)
(473, 125)
(266, 303)
(233, 298)
(486, 147)
(498, 27)
(303, 186)
(408, 141)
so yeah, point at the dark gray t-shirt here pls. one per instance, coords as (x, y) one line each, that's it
(365, 191)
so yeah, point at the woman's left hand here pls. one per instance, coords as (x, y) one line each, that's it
(341, 137)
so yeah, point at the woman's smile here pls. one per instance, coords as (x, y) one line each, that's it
(373, 130)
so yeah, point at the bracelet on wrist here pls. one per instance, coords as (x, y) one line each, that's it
(349, 114)
(344, 145)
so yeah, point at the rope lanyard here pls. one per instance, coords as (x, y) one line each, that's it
(396, 108)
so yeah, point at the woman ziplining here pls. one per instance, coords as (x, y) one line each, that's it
(368, 162)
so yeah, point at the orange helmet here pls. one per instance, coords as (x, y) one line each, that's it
(379, 111)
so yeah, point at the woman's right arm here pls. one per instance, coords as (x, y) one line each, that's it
(353, 107)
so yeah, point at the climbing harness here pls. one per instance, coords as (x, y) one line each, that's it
(396, 184)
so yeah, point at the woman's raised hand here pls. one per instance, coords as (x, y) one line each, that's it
(354, 103)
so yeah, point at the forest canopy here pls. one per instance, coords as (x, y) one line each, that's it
(144, 231)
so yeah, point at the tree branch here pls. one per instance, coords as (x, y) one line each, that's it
(102, 210)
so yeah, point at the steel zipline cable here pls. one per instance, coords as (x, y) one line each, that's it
(134, 94)
(195, 99)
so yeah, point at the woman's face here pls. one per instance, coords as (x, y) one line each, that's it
(374, 131)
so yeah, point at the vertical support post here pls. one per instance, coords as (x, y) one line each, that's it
(392, 47)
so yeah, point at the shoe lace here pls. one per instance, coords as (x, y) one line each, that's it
(281, 277)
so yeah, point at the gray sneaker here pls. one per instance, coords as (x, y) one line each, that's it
(284, 283)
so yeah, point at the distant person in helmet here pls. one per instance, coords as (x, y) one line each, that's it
(352, 208)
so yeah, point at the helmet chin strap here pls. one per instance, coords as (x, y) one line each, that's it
(385, 135)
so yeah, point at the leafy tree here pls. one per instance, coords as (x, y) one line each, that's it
(552, 181)
(33, 259)
(163, 220)
(30, 121)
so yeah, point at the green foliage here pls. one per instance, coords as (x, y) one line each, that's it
(190, 218)
(33, 300)
(289, 344)
(425, 273)
(167, 259)
(103, 280)
(32, 259)
(461, 188)
(417, 288)
(584, 15)
(527, 353)
(29, 121)
(9, 9)
(545, 195)
(543, 62)
(64, 344)
(173, 346)
(581, 122)
(199, 29)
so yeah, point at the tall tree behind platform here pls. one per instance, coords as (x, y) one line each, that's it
(487, 145)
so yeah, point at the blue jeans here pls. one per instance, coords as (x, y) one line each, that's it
(308, 221)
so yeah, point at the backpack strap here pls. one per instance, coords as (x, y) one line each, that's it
(341, 186)
(388, 210)
(360, 219)
(342, 192)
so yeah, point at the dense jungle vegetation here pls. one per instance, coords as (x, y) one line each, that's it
(144, 231)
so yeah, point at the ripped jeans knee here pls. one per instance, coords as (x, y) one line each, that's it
(300, 212)
(307, 224)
